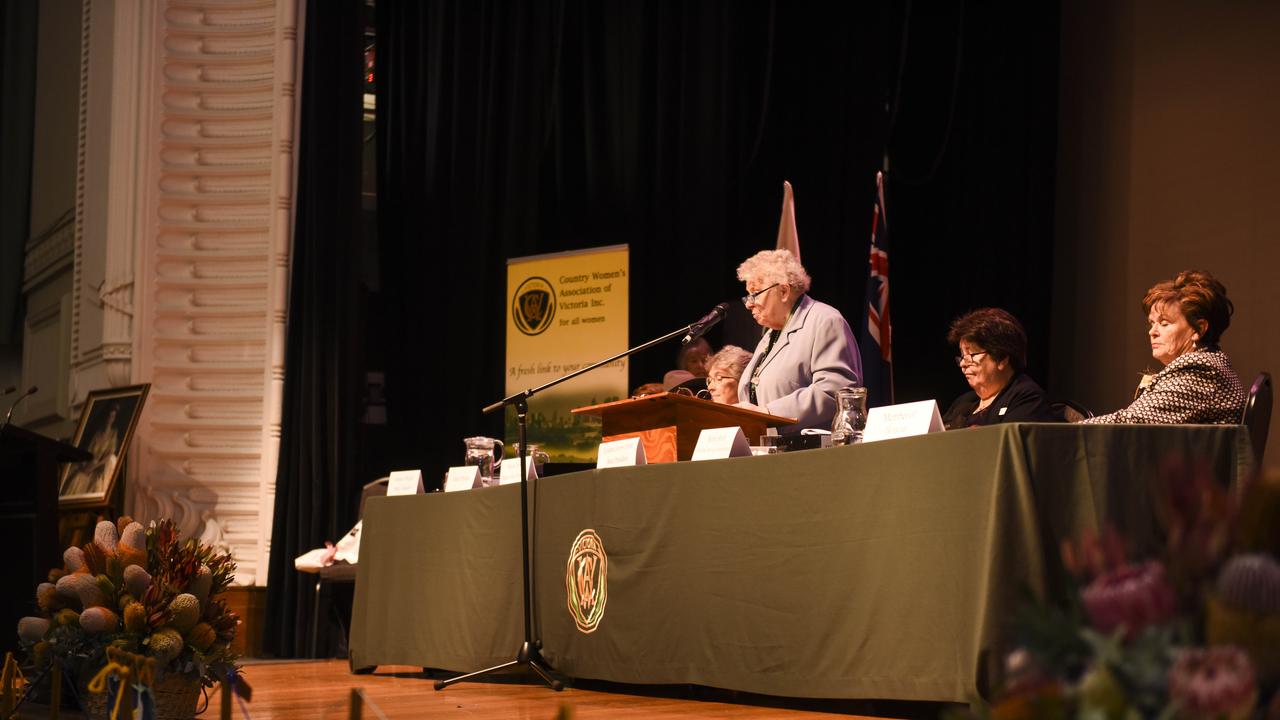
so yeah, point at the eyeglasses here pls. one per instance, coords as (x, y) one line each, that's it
(970, 358)
(750, 298)
(716, 380)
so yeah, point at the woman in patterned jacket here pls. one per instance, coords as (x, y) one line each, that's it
(1198, 385)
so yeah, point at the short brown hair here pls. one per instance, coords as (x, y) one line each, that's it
(1199, 296)
(996, 331)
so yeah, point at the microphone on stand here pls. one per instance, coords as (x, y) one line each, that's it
(700, 328)
(9, 416)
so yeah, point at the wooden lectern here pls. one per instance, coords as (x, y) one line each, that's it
(29, 514)
(668, 424)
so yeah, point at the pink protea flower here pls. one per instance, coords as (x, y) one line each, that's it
(1214, 682)
(1132, 596)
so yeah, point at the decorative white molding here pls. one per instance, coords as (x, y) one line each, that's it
(216, 128)
(82, 146)
(49, 253)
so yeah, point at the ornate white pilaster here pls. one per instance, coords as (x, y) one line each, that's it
(215, 200)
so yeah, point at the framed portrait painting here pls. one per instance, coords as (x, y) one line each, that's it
(105, 429)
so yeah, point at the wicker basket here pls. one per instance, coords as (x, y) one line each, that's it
(176, 697)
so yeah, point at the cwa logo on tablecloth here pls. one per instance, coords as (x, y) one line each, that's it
(586, 580)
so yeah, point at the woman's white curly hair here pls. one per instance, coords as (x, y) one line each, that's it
(774, 266)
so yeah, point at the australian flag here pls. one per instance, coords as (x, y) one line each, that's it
(876, 335)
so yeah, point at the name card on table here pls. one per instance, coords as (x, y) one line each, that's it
(620, 453)
(509, 471)
(405, 482)
(719, 443)
(464, 477)
(896, 421)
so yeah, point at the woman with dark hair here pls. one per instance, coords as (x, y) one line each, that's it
(1187, 316)
(993, 357)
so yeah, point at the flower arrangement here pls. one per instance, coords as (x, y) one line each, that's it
(1193, 634)
(139, 590)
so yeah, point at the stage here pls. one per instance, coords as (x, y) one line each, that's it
(321, 690)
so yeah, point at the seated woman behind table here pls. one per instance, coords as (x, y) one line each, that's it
(1186, 317)
(993, 358)
(807, 351)
(724, 370)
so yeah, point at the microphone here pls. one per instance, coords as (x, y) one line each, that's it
(701, 327)
(9, 416)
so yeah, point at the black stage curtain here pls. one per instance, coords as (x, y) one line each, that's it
(971, 194)
(317, 491)
(510, 129)
(18, 31)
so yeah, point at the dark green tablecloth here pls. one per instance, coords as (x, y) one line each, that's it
(882, 570)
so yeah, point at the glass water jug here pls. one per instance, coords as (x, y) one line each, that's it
(851, 416)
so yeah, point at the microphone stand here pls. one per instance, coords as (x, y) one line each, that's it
(530, 652)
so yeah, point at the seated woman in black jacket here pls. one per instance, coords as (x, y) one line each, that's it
(993, 357)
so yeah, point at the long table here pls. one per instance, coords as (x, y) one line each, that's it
(885, 570)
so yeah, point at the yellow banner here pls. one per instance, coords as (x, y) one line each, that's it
(566, 311)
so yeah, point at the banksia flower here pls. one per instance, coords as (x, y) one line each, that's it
(106, 537)
(1245, 611)
(73, 558)
(201, 636)
(1251, 583)
(47, 598)
(83, 587)
(132, 548)
(166, 644)
(31, 629)
(136, 580)
(123, 522)
(1133, 596)
(184, 612)
(99, 619)
(135, 617)
(1214, 682)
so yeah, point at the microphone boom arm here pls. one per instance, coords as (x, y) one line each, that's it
(526, 394)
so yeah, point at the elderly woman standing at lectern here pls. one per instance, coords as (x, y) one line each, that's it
(807, 351)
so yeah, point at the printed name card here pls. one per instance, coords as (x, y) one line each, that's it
(720, 443)
(405, 482)
(463, 477)
(896, 421)
(509, 471)
(620, 453)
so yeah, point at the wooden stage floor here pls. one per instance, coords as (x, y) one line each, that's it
(321, 690)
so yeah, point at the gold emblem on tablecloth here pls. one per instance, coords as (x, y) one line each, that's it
(586, 580)
(533, 305)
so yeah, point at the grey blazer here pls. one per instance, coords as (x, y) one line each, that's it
(814, 357)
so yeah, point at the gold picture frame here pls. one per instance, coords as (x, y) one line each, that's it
(105, 431)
